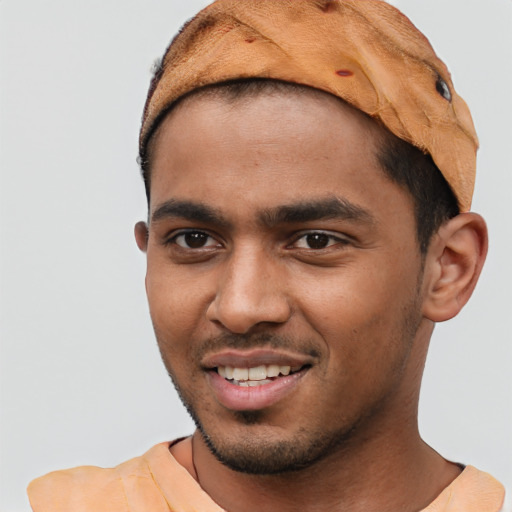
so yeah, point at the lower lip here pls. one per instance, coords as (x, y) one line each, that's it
(253, 398)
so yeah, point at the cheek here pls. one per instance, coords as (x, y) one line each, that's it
(362, 313)
(363, 290)
(177, 303)
(176, 316)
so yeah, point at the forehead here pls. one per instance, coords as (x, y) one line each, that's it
(273, 101)
(269, 96)
(267, 149)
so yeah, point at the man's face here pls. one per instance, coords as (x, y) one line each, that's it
(283, 275)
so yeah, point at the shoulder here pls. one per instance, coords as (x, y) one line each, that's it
(91, 488)
(78, 489)
(472, 491)
(481, 485)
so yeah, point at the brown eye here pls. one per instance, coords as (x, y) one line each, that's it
(194, 240)
(317, 240)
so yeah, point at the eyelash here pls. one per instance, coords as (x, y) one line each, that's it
(173, 240)
(321, 236)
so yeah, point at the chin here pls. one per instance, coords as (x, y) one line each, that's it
(260, 452)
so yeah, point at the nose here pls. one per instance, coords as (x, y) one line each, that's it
(251, 291)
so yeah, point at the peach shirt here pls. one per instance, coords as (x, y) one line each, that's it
(156, 482)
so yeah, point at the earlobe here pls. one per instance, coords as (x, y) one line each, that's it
(453, 264)
(141, 235)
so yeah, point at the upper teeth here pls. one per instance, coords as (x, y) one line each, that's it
(256, 373)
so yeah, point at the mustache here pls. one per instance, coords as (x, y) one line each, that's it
(255, 340)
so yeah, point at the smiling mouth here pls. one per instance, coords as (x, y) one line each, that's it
(257, 375)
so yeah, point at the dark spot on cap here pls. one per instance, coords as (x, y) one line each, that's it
(250, 40)
(344, 72)
(443, 89)
(327, 5)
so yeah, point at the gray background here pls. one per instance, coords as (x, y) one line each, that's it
(81, 379)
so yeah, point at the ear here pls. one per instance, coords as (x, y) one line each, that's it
(141, 235)
(453, 264)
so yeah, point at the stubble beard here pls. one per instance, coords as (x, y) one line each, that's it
(256, 454)
(259, 454)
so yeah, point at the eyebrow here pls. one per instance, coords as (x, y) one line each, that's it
(196, 212)
(321, 209)
(294, 213)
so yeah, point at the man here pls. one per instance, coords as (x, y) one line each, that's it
(309, 170)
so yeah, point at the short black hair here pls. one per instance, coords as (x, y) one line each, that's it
(404, 164)
(433, 198)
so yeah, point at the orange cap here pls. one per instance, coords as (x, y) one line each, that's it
(364, 51)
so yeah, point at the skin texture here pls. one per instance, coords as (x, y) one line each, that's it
(302, 247)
